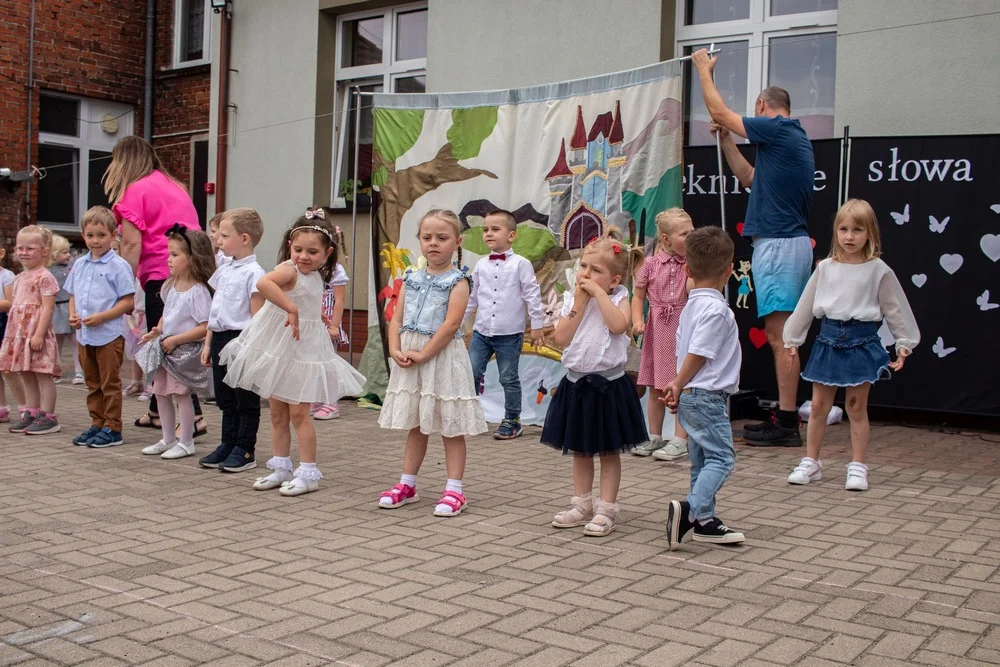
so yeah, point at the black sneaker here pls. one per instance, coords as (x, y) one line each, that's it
(716, 532)
(774, 435)
(678, 523)
(239, 459)
(760, 426)
(509, 429)
(213, 460)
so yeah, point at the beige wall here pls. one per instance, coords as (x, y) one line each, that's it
(935, 78)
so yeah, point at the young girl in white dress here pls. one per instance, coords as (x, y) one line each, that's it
(431, 388)
(334, 298)
(852, 290)
(286, 356)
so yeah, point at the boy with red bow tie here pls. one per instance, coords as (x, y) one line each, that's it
(503, 286)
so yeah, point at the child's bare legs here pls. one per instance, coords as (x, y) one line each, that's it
(583, 476)
(454, 456)
(281, 432)
(16, 388)
(611, 476)
(857, 411)
(822, 402)
(304, 432)
(605, 511)
(416, 449)
(46, 391)
(657, 411)
(137, 374)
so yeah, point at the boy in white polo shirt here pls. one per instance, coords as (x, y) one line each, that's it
(708, 372)
(235, 301)
(503, 285)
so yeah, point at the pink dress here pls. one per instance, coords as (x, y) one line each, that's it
(16, 354)
(665, 281)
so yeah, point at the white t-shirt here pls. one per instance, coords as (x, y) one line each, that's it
(6, 278)
(708, 329)
(234, 282)
(183, 311)
(593, 347)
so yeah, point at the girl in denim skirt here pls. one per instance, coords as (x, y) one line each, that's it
(852, 291)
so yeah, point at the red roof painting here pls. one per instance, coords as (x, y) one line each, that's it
(560, 168)
(579, 141)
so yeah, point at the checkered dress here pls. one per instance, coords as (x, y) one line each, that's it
(665, 281)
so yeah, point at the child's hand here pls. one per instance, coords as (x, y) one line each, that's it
(95, 320)
(792, 353)
(206, 356)
(75, 321)
(638, 326)
(671, 396)
(293, 322)
(168, 345)
(901, 355)
(401, 359)
(153, 333)
(36, 343)
(416, 356)
(536, 336)
(589, 286)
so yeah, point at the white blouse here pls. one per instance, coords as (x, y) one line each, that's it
(593, 347)
(869, 292)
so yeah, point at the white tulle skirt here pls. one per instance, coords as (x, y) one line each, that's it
(438, 395)
(266, 360)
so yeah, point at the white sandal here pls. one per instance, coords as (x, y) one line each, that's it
(581, 513)
(604, 521)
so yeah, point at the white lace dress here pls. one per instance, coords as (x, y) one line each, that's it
(266, 360)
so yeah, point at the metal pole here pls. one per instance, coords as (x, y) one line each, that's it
(354, 219)
(722, 174)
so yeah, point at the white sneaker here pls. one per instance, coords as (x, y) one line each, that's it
(159, 447)
(178, 451)
(671, 451)
(79, 379)
(808, 470)
(273, 481)
(857, 477)
(648, 447)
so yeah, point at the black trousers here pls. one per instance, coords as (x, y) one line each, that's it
(240, 408)
(154, 311)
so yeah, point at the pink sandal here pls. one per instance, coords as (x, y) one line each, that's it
(455, 502)
(399, 495)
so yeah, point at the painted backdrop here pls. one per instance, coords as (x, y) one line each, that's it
(568, 159)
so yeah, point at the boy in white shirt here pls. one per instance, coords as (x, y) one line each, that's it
(235, 301)
(503, 285)
(708, 372)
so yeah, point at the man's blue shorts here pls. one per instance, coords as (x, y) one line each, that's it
(781, 269)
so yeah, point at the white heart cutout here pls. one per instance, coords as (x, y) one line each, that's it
(995, 208)
(952, 263)
(919, 279)
(990, 243)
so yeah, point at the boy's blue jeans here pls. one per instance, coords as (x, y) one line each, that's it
(705, 417)
(508, 351)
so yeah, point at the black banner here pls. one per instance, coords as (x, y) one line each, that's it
(938, 205)
(701, 200)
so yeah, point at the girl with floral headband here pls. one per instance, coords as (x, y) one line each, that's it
(286, 356)
(334, 298)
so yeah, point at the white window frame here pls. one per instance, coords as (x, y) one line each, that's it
(389, 70)
(758, 30)
(206, 49)
(89, 137)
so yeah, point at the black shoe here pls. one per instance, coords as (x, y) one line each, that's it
(760, 426)
(220, 454)
(678, 523)
(238, 460)
(774, 435)
(716, 532)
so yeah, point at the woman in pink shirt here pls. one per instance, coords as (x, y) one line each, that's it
(147, 201)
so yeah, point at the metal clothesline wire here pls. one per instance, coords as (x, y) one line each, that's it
(791, 40)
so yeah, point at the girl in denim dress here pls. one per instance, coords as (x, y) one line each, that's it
(430, 387)
(852, 291)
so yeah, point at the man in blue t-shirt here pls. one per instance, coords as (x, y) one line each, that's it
(776, 217)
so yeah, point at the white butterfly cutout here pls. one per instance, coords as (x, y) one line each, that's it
(983, 301)
(938, 226)
(939, 349)
(552, 308)
(901, 218)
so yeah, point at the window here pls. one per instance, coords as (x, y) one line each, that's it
(786, 43)
(377, 51)
(75, 138)
(192, 33)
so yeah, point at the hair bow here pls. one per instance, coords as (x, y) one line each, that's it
(617, 248)
(179, 230)
(315, 213)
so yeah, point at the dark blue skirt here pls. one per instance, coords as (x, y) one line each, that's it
(847, 354)
(594, 415)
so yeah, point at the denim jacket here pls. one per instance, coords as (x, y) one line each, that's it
(426, 300)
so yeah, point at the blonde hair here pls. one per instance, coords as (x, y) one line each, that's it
(44, 233)
(216, 219)
(623, 260)
(667, 222)
(448, 216)
(863, 214)
(99, 215)
(132, 158)
(245, 221)
(59, 243)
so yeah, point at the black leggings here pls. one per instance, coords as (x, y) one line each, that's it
(154, 311)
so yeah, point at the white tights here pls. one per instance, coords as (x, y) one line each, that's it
(168, 418)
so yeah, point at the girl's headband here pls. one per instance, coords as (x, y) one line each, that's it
(312, 228)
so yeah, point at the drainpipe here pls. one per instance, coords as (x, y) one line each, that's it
(223, 111)
(147, 96)
(31, 95)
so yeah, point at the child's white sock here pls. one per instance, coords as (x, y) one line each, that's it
(451, 485)
(409, 480)
(308, 471)
(677, 438)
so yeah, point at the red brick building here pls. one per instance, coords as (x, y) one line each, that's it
(73, 81)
